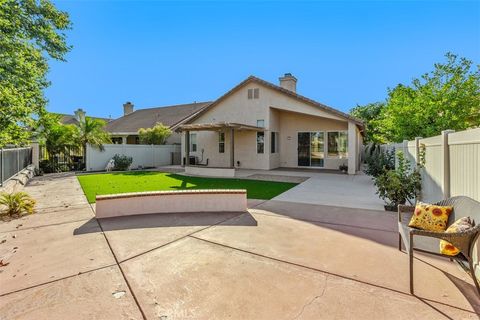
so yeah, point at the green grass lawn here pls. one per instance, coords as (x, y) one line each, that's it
(111, 183)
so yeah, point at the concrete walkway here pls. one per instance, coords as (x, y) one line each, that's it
(280, 260)
(339, 190)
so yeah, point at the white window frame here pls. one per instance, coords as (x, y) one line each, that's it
(261, 123)
(263, 143)
(327, 148)
(193, 144)
(220, 142)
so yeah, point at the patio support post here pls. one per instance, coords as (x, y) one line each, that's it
(232, 147)
(187, 148)
(352, 148)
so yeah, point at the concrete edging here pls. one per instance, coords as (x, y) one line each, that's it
(126, 204)
(18, 181)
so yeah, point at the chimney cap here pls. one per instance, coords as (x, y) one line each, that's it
(288, 75)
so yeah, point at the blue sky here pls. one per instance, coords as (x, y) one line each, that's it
(343, 53)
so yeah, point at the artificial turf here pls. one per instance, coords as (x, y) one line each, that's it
(121, 182)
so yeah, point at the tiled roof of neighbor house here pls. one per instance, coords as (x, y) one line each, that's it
(71, 119)
(285, 91)
(147, 118)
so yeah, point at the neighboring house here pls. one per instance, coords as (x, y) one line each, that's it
(124, 130)
(259, 125)
(75, 118)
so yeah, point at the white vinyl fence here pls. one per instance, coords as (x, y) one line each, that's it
(143, 155)
(452, 163)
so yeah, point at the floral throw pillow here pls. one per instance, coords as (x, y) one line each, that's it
(430, 217)
(462, 224)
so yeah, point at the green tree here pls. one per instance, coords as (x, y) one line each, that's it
(446, 98)
(31, 33)
(91, 131)
(156, 135)
(59, 138)
(370, 114)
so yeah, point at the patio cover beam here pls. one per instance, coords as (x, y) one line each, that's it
(217, 127)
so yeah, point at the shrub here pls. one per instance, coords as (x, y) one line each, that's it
(16, 204)
(378, 161)
(400, 185)
(122, 162)
(156, 135)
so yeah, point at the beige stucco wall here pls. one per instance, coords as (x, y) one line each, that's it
(292, 123)
(280, 113)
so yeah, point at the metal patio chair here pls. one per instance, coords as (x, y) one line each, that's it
(429, 241)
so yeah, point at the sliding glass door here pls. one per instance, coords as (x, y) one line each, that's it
(303, 149)
(311, 149)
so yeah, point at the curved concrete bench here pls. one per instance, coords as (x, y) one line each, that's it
(126, 204)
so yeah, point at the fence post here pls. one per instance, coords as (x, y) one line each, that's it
(35, 154)
(1, 167)
(405, 148)
(446, 164)
(417, 149)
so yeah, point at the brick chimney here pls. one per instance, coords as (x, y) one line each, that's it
(289, 82)
(127, 108)
(79, 115)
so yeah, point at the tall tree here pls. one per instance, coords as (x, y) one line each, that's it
(31, 33)
(446, 98)
(370, 114)
(91, 131)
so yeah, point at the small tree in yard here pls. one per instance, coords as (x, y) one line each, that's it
(90, 131)
(399, 185)
(156, 135)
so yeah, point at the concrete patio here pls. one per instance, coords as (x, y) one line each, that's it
(279, 260)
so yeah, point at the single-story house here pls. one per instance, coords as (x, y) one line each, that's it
(124, 130)
(259, 125)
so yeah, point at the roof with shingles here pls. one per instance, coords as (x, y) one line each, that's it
(71, 119)
(147, 118)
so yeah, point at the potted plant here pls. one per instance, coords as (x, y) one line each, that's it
(399, 185)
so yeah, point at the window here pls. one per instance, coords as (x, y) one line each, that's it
(117, 140)
(221, 142)
(193, 142)
(274, 142)
(261, 123)
(337, 143)
(253, 93)
(260, 142)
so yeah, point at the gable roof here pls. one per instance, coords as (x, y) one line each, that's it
(147, 118)
(289, 93)
(71, 119)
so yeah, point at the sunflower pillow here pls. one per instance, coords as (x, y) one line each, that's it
(462, 224)
(430, 217)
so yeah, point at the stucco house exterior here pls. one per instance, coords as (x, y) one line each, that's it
(260, 125)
